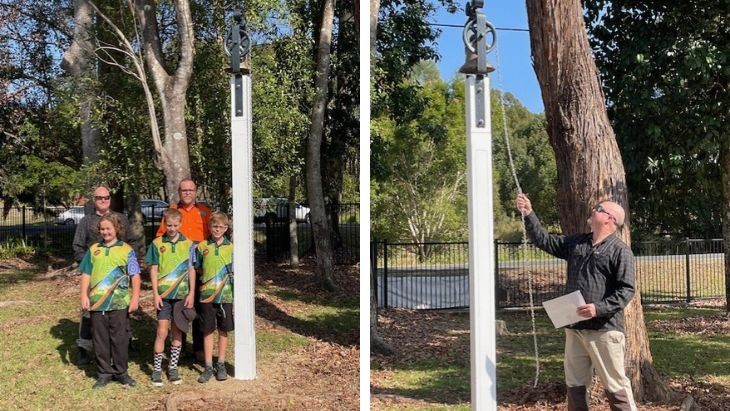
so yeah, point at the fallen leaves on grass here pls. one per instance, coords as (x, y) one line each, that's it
(15, 264)
(421, 335)
(433, 335)
(712, 325)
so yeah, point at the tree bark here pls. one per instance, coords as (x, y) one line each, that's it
(377, 344)
(315, 193)
(293, 239)
(588, 159)
(79, 61)
(725, 166)
(171, 88)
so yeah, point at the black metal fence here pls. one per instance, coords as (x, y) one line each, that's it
(436, 275)
(271, 235)
(53, 229)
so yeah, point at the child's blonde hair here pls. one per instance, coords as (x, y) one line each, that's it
(116, 222)
(219, 217)
(172, 214)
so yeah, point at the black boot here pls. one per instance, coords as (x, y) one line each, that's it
(83, 358)
(577, 399)
(618, 401)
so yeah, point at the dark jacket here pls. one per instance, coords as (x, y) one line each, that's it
(604, 273)
(87, 233)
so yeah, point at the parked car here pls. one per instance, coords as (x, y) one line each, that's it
(71, 216)
(152, 210)
(209, 204)
(277, 209)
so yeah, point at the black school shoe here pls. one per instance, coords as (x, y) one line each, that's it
(126, 380)
(83, 358)
(101, 382)
(221, 374)
(157, 378)
(205, 376)
(174, 376)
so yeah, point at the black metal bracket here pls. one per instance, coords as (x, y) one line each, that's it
(238, 46)
(477, 31)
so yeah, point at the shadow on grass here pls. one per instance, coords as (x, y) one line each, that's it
(142, 326)
(340, 328)
(429, 380)
(697, 356)
(334, 301)
(11, 278)
(67, 331)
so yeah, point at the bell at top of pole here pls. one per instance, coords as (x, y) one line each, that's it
(237, 45)
(479, 37)
(470, 66)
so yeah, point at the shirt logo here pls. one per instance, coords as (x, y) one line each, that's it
(97, 252)
(203, 213)
(206, 251)
(163, 249)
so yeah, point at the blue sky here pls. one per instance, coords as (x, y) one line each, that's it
(518, 76)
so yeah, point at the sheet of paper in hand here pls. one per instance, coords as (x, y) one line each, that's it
(562, 310)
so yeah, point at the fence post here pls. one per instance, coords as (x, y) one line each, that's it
(496, 274)
(25, 238)
(687, 271)
(385, 273)
(374, 265)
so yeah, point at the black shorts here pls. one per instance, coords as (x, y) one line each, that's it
(166, 312)
(214, 316)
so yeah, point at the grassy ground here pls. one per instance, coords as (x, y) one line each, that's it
(307, 352)
(690, 346)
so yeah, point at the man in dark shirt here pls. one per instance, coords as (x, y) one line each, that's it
(87, 233)
(601, 267)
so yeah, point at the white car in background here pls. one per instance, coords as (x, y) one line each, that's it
(72, 216)
(152, 210)
(276, 209)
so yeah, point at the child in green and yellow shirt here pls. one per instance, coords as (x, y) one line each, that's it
(173, 280)
(215, 256)
(107, 269)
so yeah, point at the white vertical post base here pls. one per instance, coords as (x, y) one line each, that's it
(481, 249)
(243, 261)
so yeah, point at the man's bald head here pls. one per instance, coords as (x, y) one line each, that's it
(615, 211)
(102, 200)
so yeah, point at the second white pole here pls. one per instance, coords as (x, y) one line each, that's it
(481, 246)
(244, 349)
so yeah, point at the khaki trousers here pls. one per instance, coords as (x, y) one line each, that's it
(586, 350)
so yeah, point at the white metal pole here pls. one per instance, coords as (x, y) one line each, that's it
(243, 260)
(481, 246)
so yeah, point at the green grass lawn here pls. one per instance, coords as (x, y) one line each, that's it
(40, 327)
(439, 378)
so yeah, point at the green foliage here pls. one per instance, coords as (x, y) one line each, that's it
(40, 128)
(419, 189)
(15, 248)
(665, 75)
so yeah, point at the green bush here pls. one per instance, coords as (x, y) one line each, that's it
(15, 248)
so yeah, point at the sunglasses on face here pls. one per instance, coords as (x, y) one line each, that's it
(101, 198)
(599, 209)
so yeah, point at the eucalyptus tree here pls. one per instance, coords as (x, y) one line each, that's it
(588, 160)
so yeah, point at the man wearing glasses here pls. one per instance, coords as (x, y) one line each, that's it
(194, 225)
(601, 266)
(87, 233)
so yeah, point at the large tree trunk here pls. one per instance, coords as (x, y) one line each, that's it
(171, 88)
(725, 166)
(377, 344)
(315, 193)
(588, 159)
(79, 61)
